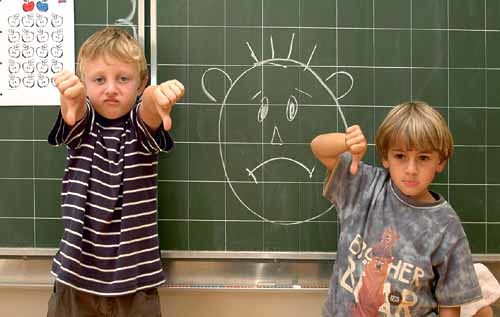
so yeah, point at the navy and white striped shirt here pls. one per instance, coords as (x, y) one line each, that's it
(110, 241)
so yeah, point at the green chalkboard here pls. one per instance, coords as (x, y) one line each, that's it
(263, 77)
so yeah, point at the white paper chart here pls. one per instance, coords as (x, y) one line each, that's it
(36, 41)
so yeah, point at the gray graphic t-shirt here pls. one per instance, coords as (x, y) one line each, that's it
(396, 257)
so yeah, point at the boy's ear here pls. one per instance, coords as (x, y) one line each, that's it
(441, 166)
(385, 163)
(143, 85)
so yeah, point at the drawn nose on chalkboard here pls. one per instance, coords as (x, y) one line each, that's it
(276, 138)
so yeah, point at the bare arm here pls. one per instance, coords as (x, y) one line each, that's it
(328, 147)
(72, 97)
(449, 311)
(158, 102)
(486, 311)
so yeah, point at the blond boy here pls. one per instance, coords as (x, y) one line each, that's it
(108, 261)
(402, 250)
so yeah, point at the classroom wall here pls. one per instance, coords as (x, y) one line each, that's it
(186, 303)
(189, 302)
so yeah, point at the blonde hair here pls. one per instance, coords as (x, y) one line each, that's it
(112, 42)
(418, 126)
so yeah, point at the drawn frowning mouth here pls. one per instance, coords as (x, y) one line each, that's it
(310, 171)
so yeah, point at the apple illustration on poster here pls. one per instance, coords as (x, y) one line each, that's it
(42, 51)
(14, 20)
(13, 36)
(14, 66)
(42, 66)
(42, 36)
(29, 81)
(41, 20)
(28, 5)
(42, 6)
(14, 81)
(43, 81)
(28, 51)
(29, 66)
(14, 51)
(28, 20)
(56, 51)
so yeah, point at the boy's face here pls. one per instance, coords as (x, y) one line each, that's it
(112, 85)
(412, 171)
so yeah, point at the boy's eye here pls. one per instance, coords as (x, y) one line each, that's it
(399, 156)
(99, 80)
(124, 79)
(424, 157)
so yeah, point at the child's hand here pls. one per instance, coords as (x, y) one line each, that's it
(73, 96)
(356, 143)
(164, 97)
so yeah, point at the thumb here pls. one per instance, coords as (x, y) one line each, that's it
(355, 164)
(167, 122)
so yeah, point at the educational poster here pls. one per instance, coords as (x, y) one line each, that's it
(36, 41)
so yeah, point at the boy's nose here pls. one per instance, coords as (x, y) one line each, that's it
(411, 167)
(110, 88)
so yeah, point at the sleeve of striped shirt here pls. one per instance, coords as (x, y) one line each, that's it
(72, 137)
(160, 141)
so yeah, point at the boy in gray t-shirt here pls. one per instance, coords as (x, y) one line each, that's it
(402, 250)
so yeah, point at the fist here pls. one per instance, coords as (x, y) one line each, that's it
(73, 96)
(69, 85)
(355, 142)
(165, 96)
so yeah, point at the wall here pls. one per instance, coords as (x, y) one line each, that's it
(186, 303)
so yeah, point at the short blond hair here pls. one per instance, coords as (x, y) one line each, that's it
(418, 126)
(112, 42)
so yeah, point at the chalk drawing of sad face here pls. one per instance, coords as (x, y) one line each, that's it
(266, 122)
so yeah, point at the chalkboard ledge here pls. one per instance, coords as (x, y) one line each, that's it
(223, 255)
(30, 268)
(175, 254)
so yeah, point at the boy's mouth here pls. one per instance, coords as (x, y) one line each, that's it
(410, 183)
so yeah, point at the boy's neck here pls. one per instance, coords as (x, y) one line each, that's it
(432, 199)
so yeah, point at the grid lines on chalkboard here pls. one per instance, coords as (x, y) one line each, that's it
(448, 58)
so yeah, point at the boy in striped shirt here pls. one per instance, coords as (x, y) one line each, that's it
(108, 260)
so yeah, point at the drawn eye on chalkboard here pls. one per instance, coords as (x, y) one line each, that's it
(263, 109)
(269, 152)
(292, 108)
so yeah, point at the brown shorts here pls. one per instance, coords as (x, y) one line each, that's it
(66, 301)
